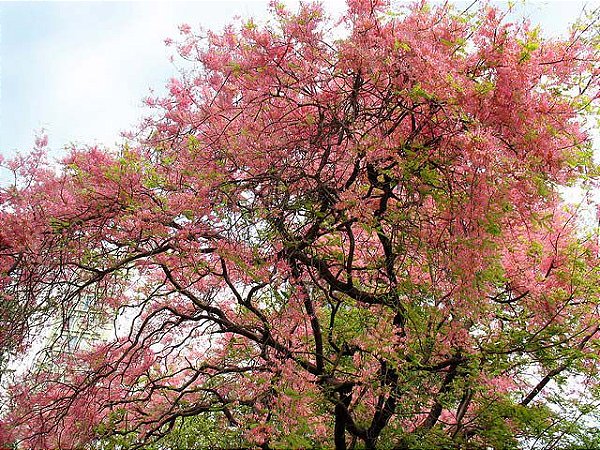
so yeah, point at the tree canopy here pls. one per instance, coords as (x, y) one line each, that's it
(330, 233)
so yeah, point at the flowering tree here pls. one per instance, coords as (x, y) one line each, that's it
(332, 234)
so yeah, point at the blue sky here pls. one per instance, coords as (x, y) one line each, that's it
(80, 69)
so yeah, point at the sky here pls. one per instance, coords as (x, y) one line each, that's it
(79, 70)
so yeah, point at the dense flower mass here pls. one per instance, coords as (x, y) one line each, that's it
(334, 233)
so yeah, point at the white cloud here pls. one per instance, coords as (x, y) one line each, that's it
(94, 87)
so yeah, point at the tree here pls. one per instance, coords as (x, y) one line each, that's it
(343, 234)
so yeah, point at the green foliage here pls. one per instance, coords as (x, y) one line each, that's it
(203, 431)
